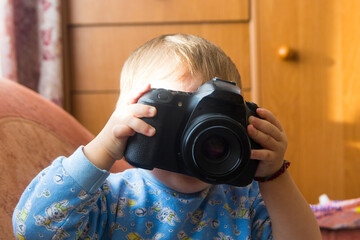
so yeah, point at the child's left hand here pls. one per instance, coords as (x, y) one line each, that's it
(269, 133)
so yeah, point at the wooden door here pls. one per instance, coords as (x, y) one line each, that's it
(316, 92)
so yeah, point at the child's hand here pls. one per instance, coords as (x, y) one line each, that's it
(271, 136)
(109, 145)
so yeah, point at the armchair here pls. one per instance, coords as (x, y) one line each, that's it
(33, 132)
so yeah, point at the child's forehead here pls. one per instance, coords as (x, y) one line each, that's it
(186, 83)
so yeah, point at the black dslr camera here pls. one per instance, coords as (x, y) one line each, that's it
(201, 134)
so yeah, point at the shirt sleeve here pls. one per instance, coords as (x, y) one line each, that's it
(65, 200)
(261, 224)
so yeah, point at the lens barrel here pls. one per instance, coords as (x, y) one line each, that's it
(215, 147)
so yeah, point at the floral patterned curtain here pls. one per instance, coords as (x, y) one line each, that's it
(30, 45)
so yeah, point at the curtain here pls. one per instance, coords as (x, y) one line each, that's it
(30, 45)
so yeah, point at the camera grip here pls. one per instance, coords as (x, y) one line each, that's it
(251, 111)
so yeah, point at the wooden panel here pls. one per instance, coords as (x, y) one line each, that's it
(93, 109)
(316, 95)
(151, 11)
(350, 90)
(247, 95)
(297, 92)
(98, 53)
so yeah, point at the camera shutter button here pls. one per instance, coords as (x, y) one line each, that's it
(164, 96)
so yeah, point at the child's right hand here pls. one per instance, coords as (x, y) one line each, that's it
(109, 145)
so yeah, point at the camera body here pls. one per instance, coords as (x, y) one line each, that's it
(201, 134)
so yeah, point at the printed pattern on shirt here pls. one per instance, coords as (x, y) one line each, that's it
(133, 205)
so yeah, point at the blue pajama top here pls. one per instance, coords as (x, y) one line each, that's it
(73, 199)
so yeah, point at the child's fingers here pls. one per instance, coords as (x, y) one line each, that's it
(130, 125)
(265, 140)
(130, 117)
(121, 131)
(269, 116)
(266, 127)
(140, 126)
(263, 154)
(269, 133)
(141, 110)
(267, 165)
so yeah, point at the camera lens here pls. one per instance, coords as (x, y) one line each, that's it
(217, 151)
(215, 148)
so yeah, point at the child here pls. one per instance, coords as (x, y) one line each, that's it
(77, 198)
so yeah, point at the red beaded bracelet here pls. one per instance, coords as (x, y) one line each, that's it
(283, 168)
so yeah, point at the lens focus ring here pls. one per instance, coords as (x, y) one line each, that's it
(215, 147)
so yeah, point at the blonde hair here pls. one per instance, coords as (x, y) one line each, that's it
(174, 55)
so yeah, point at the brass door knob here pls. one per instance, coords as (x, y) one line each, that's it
(286, 53)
